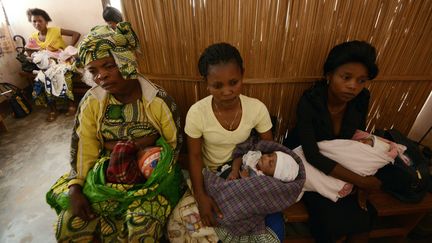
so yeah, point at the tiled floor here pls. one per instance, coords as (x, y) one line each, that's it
(33, 154)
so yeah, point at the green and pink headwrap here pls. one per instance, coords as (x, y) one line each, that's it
(102, 41)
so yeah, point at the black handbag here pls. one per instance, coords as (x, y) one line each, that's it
(18, 103)
(408, 183)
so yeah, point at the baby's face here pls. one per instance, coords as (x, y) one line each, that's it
(367, 141)
(267, 164)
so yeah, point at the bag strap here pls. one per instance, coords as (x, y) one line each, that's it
(413, 149)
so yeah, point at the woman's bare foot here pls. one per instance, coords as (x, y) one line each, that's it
(71, 111)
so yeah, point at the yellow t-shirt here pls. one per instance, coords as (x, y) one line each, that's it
(53, 39)
(219, 143)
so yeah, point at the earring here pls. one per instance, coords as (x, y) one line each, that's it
(328, 82)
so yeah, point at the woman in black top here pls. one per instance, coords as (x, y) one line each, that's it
(334, 109)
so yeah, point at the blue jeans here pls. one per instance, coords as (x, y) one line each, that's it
(275, 222)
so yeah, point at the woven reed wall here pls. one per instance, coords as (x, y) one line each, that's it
(284, 44)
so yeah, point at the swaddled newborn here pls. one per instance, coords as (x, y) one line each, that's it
(277, 164)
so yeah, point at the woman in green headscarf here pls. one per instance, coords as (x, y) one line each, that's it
(124, 106)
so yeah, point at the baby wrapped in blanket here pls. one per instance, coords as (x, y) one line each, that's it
(364, 155)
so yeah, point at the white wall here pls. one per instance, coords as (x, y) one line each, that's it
(423, 121)
(9, 71)
(78, 15)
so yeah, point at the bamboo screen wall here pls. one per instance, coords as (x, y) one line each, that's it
(284, 44)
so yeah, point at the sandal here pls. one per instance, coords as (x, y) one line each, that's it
(71, 111)
(52, 116)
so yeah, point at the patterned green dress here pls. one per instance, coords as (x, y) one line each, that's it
(126, 213)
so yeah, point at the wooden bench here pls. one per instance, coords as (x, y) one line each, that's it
(395, 218)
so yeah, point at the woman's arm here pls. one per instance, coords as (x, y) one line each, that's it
(307, 137)
(146, 141)
(75, 35)
(315, 158)
(206, 205)
(365, 182)
(235, 169)
(267, 135)
(85, 146)
(196, 165)
(84, 152)
(164, 111)
(141, 143)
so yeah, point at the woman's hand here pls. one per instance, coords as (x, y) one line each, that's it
(244, 173)
(235, 169)
(233, 175)
(109, 145)
(146, 141)
(208, 209)
(79, 203)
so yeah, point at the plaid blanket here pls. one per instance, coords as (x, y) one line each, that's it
(123, 166)
(245, 202)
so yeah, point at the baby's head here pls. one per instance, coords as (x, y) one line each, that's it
(367, 140)
(279, 165)
(374, 141)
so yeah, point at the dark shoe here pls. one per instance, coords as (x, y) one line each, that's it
(52, 116)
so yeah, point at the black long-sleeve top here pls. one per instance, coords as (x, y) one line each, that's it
(314, 124)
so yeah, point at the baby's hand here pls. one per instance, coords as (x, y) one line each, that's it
(233, 175)
(244, 173)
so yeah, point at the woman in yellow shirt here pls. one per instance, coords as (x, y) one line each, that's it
(50, 38)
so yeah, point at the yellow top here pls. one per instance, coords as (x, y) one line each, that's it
(53, 39)
(219, 143)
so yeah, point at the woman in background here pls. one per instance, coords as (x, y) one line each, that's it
(112, 16)
(50, 38)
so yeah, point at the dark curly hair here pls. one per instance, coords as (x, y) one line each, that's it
(352, 51)
(219, 53)
(37, 12)
(112, 14)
